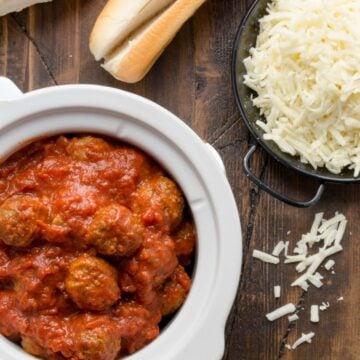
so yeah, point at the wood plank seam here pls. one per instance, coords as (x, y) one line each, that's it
(291, 326)
(43, 60)
(254, 202)
(239, 141)
(226, 128)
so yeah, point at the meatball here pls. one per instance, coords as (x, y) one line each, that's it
(19, 217)
(39, 286)
(95, 337)
(92, 283)
(4, 260)
(50, 334)
(184, 239)
(160, 202)
(12, 321)
(138, 325)
(149, 268)
(175, 291)
(115, 231)
(87, 148)
(73, 206)
(32, 347)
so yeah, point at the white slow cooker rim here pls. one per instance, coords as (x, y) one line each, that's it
(210, 331)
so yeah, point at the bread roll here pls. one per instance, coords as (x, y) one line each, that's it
(118, 20)
(131, 61)
(8, 6)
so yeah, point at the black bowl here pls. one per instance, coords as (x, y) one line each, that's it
(244, 41)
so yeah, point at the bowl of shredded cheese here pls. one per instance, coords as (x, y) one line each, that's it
(296, 78)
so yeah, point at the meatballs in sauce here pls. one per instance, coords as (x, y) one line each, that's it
(96, 245)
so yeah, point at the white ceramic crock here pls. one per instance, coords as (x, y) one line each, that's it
(197, 331)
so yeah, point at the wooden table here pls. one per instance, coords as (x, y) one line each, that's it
(48, 45)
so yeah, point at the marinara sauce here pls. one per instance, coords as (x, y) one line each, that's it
(94, 242)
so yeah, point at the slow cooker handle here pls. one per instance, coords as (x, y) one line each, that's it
(274, 193)
(8, 90)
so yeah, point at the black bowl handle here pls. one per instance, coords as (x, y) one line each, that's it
(274, 193)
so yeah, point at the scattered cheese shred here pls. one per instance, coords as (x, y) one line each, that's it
(316, 223)
(314, 313)
(331, 233)
(340, 232)
(333, 221)
(317, 260)
(281, 311)
(304, 285)
(293, 317)
(295, 258)
(324, 306)
(277, 291)
(329, 264)
(316, 280)
(286, 250)
(305, 71)
(303, 339)
(279, 247)
(265, 257)
(327, 235)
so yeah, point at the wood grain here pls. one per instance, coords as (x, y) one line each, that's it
(48, 45)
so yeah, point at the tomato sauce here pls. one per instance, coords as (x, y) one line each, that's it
(95, 240)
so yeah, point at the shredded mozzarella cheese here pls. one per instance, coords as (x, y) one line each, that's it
(293, 317)
(265, 257)
(305, 69)
(331, 233)
(329, 264)
(277, 291)
(318, 259)
(304, 338)
(327, 235)
(279, 247)
(324, 306)
(314, 313)
(282, 311)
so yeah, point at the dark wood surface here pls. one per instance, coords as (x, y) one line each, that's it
(48, 45)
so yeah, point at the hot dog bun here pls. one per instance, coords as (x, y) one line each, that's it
(134, 56)
(118, 20)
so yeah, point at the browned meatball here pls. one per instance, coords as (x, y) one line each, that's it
(32, 347)
(52, 333)
(4, 260)
(159, 201)
(37, 278)
(92, 283)
(95, 337)
(184, 239)
(138, 325)
(149, 268)
(87, 148)
(19, 218)
(115, 231)
(12, 321)
(175, 291)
